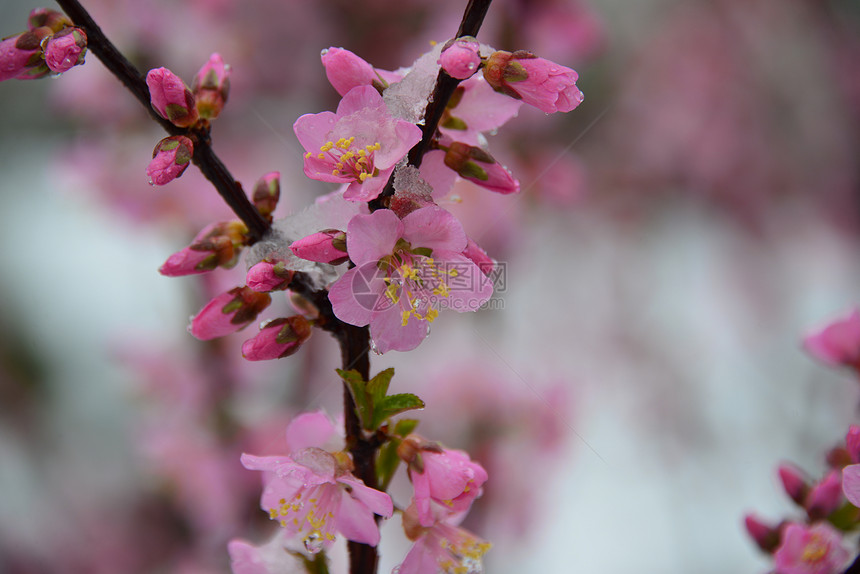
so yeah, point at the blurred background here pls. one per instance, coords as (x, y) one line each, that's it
(633, 391)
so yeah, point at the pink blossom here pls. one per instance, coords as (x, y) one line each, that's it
(851, 483)
(66, 50)
(358, 145)
(228, 313)
(277, 339)
(217, 245)
(837, 343)
(170, 158)
(462, 58)
(852, 443)
(793, 482)
(327, 246)
(441, 547)
(825, 496)
(541, 83)
(312, 493)
(476, 165)
(766, 537)
(815, 549)
(171, 98)
(406, 270)
(272, 557)
(346, 71)
(21, 55)
(447, 477)
(477, 254)
(211, 87)
(267, 276)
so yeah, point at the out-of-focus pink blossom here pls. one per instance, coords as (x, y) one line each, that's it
(815, 549)
(478, 166)
(346, 71)
(211, 86)
(445, 476)
(45, 17)
(852, 443)
(474, 109)
(217, 245)
(441, 547)
(228, 313)
(825, 496)
(766, 537)
(327, 246)
(277, 339)
(838, 342)
(851, 483)
(266, 276)
(66, 50)
(312, 492)
(541, 83)
(171, 98)
(170, 158)
(273, 557)
(462, 58)
(358, 145)
(21, 55)
(794, 483)
(406, 270)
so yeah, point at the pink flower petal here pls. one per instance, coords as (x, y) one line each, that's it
(435, 228)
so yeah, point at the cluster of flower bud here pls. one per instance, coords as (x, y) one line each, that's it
(51, 45)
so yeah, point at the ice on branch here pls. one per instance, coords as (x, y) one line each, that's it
(329, 212)
(359, 145)
(407, 99)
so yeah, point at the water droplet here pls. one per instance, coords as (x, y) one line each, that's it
(374, 348)
(472, 566)
(427, 324)
(151, 182)
(313, 543)
(471, 66)
(324, 52)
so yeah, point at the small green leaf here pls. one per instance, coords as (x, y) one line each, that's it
(377, 387)
(404, 427)
(358, 389)
(395, 404)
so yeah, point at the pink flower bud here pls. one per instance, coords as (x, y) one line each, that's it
(46, 17)
(479, 167)
(794, 483)
(536, 81)
(838, 342)
(21, 55)
(267, 276)
(277, 339)
(267, 192)
(852, 443)
(171, 98)
(211, 87)
(766, 537)
(228, 313)
(327, 246)
(826, 496)
(479, 257)
(462, 58)
(170, 158)
(66, 50)
(217, 245)
(346, 71)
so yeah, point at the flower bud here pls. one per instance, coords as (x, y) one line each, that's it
(48, 18)
(170, 158)
(327, 246)
(837, 343)
(277, 339)
(211, 87)
(267, 276)
(766, 537)
(794, 483)
(228, 312)
(825, 497)
(267, 192)
(217, 245)
(66, 50)
(479, 167)
(541, 83)
(21, 55)
(461, 58)
(346, 71)
(171, 98)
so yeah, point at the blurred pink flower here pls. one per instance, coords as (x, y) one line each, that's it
(825, 496)
(813, 549)
(442, 546)
(838, 342)
(358, 145)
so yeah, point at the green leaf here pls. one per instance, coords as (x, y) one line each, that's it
(404, 427)
(387, 462)
(358, 389)
(395, 404)
(378, 385)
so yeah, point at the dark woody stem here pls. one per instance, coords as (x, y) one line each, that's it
(442, 92)
(354, 341)
(204, 157)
